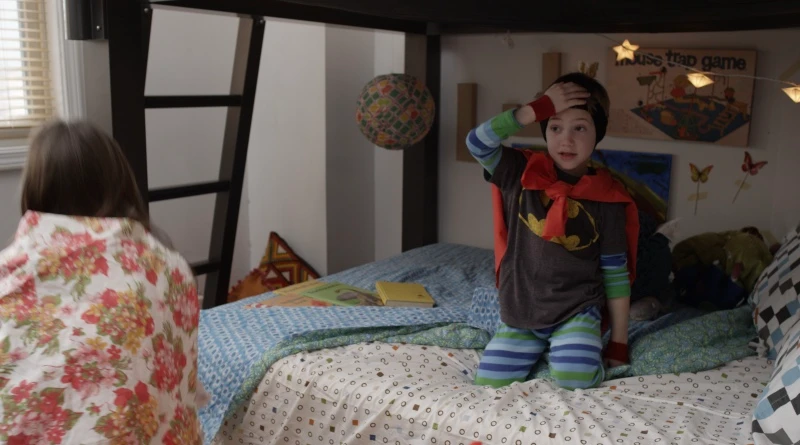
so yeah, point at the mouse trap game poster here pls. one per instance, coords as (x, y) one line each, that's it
(653, 97)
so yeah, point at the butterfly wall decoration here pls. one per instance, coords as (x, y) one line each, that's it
(749, 168)
(589, 70)
(699, 176)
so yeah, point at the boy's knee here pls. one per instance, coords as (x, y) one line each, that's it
(576, 384)
(588, 377)
(482, 381)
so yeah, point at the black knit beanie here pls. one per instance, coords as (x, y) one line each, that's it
(597, 104)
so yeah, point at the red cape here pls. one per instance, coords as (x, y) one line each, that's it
(540, 174)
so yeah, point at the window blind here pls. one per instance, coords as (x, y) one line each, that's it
(26, 90)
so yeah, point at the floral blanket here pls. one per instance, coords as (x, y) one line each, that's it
(97, 323)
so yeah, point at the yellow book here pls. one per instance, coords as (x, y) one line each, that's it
(403, 294)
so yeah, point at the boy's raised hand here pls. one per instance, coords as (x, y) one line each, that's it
(566, 95)
(557, 98)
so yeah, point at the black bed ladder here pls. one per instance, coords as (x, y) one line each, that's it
(129, 24)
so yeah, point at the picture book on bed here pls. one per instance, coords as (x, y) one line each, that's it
(298, 288)
(289, 300)
(317, 293)
(403, 294)
(340, 294)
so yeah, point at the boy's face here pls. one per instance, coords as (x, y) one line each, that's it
(571, 139)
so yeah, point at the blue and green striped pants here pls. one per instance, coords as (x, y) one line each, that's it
(576, 348)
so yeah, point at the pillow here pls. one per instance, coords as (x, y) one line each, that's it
(761, 288)
(792, 234)
(776, 419)
(279, 267)
(485, 310)
(776, 296)
(257, 282)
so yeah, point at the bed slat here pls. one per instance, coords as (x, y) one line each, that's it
(232, 100)
(185, 191)
(205, 267)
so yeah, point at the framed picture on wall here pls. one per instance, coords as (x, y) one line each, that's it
(653, 98)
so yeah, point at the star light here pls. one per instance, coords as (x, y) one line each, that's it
(699, 80)
(625, 51)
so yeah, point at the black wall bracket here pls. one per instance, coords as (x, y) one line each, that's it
(86, 19)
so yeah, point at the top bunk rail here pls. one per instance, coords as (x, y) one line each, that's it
(481, 16)
(295, 11)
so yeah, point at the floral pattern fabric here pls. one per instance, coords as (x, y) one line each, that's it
(98, 335)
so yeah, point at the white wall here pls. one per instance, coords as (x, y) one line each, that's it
(389, 58)
(286, 161)
(350, 158)
(786, 179)
(505, 75)
(313, 177)
(9, 205)
(96, 83)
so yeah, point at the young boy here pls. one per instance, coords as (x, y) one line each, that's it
(565, 235)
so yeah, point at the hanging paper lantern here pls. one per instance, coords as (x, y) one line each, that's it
(395, 111)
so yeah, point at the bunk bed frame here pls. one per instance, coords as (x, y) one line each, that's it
(127, 25)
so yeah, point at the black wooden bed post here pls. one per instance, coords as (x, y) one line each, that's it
(128, 24)
(421, 162)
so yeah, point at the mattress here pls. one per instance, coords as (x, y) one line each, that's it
(246, 351)
(394, 393)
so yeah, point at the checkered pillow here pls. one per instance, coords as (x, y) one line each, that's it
(776, 296)
(761, 289)
(776, 419)
(485, 310)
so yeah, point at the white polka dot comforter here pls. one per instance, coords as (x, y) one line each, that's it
(381, 393)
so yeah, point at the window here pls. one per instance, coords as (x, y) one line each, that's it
(26, 89)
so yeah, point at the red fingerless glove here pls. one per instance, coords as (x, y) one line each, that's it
(543, 108)
(617, 351)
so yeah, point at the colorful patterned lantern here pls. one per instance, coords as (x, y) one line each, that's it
(395, 111)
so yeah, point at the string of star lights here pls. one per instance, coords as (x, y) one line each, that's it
(698, 78)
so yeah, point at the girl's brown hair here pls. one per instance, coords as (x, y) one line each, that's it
(77, 169)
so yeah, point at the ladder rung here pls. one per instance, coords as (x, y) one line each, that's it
(204, 267)
(192, 101)
(184, 191)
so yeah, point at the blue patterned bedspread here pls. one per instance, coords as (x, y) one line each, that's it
(234, 341)
(237, 345)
